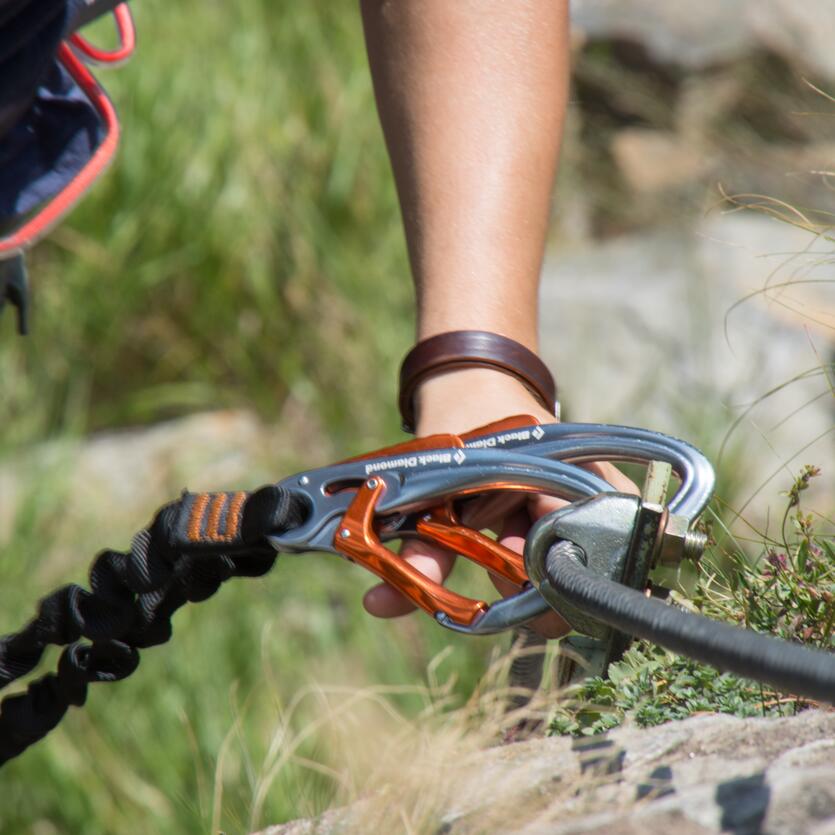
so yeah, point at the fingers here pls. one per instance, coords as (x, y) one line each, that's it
(614, 476)
(512, 535)
(511, 514)
(488, 511)
(538, 505)
(384, 601)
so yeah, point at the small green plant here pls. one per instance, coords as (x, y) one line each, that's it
(788, 590)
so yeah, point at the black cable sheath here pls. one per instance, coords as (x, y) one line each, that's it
(788, 667)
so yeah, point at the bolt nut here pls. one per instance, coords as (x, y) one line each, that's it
(679, 542)
(694, 545)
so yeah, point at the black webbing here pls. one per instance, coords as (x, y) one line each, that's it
(189, 549)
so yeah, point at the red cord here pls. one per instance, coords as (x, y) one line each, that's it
(35, 228)
(127, 40)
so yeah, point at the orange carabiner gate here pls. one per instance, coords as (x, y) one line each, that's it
(359, 541)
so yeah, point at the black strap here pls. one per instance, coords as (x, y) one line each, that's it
(82, 12)
(13, 289)
(190, 548)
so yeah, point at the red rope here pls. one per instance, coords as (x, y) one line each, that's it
(127, 40)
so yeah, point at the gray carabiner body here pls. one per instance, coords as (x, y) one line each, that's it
(541, 458)
(418, 481)
(580, 443)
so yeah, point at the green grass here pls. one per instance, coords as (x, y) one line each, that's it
(787, 590)
(246, 247)
(245, 250)
(186, 740)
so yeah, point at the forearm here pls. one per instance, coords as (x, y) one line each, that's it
(471, 96)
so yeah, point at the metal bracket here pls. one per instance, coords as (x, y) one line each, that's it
(622, 537)
(603, 527)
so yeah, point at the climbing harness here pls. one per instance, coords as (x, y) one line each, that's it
(74, 54)
(589, 560)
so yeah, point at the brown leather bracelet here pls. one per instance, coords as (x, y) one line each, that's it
(467, 349)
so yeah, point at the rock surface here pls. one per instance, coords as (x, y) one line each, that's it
(692, 35)
(699, 35)
(706, 774)
(112, 482)
(689, 331)
(801, 32)
(654, 161)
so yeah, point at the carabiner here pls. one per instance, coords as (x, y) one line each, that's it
(356, 506)
(408, 490)
(580, 443)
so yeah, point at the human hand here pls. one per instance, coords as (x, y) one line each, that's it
(456, 402)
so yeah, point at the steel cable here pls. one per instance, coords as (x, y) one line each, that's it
(788, 667)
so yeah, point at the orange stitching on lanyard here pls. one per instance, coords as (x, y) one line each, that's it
(196, 518)
(233, 518)
(218, 503)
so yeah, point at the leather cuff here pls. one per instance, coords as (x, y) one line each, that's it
(472, 349)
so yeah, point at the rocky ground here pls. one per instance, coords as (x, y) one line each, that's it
(705, 34)
(707, 774)
(689, 331)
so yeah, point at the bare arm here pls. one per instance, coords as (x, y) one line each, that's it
(471, 96)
